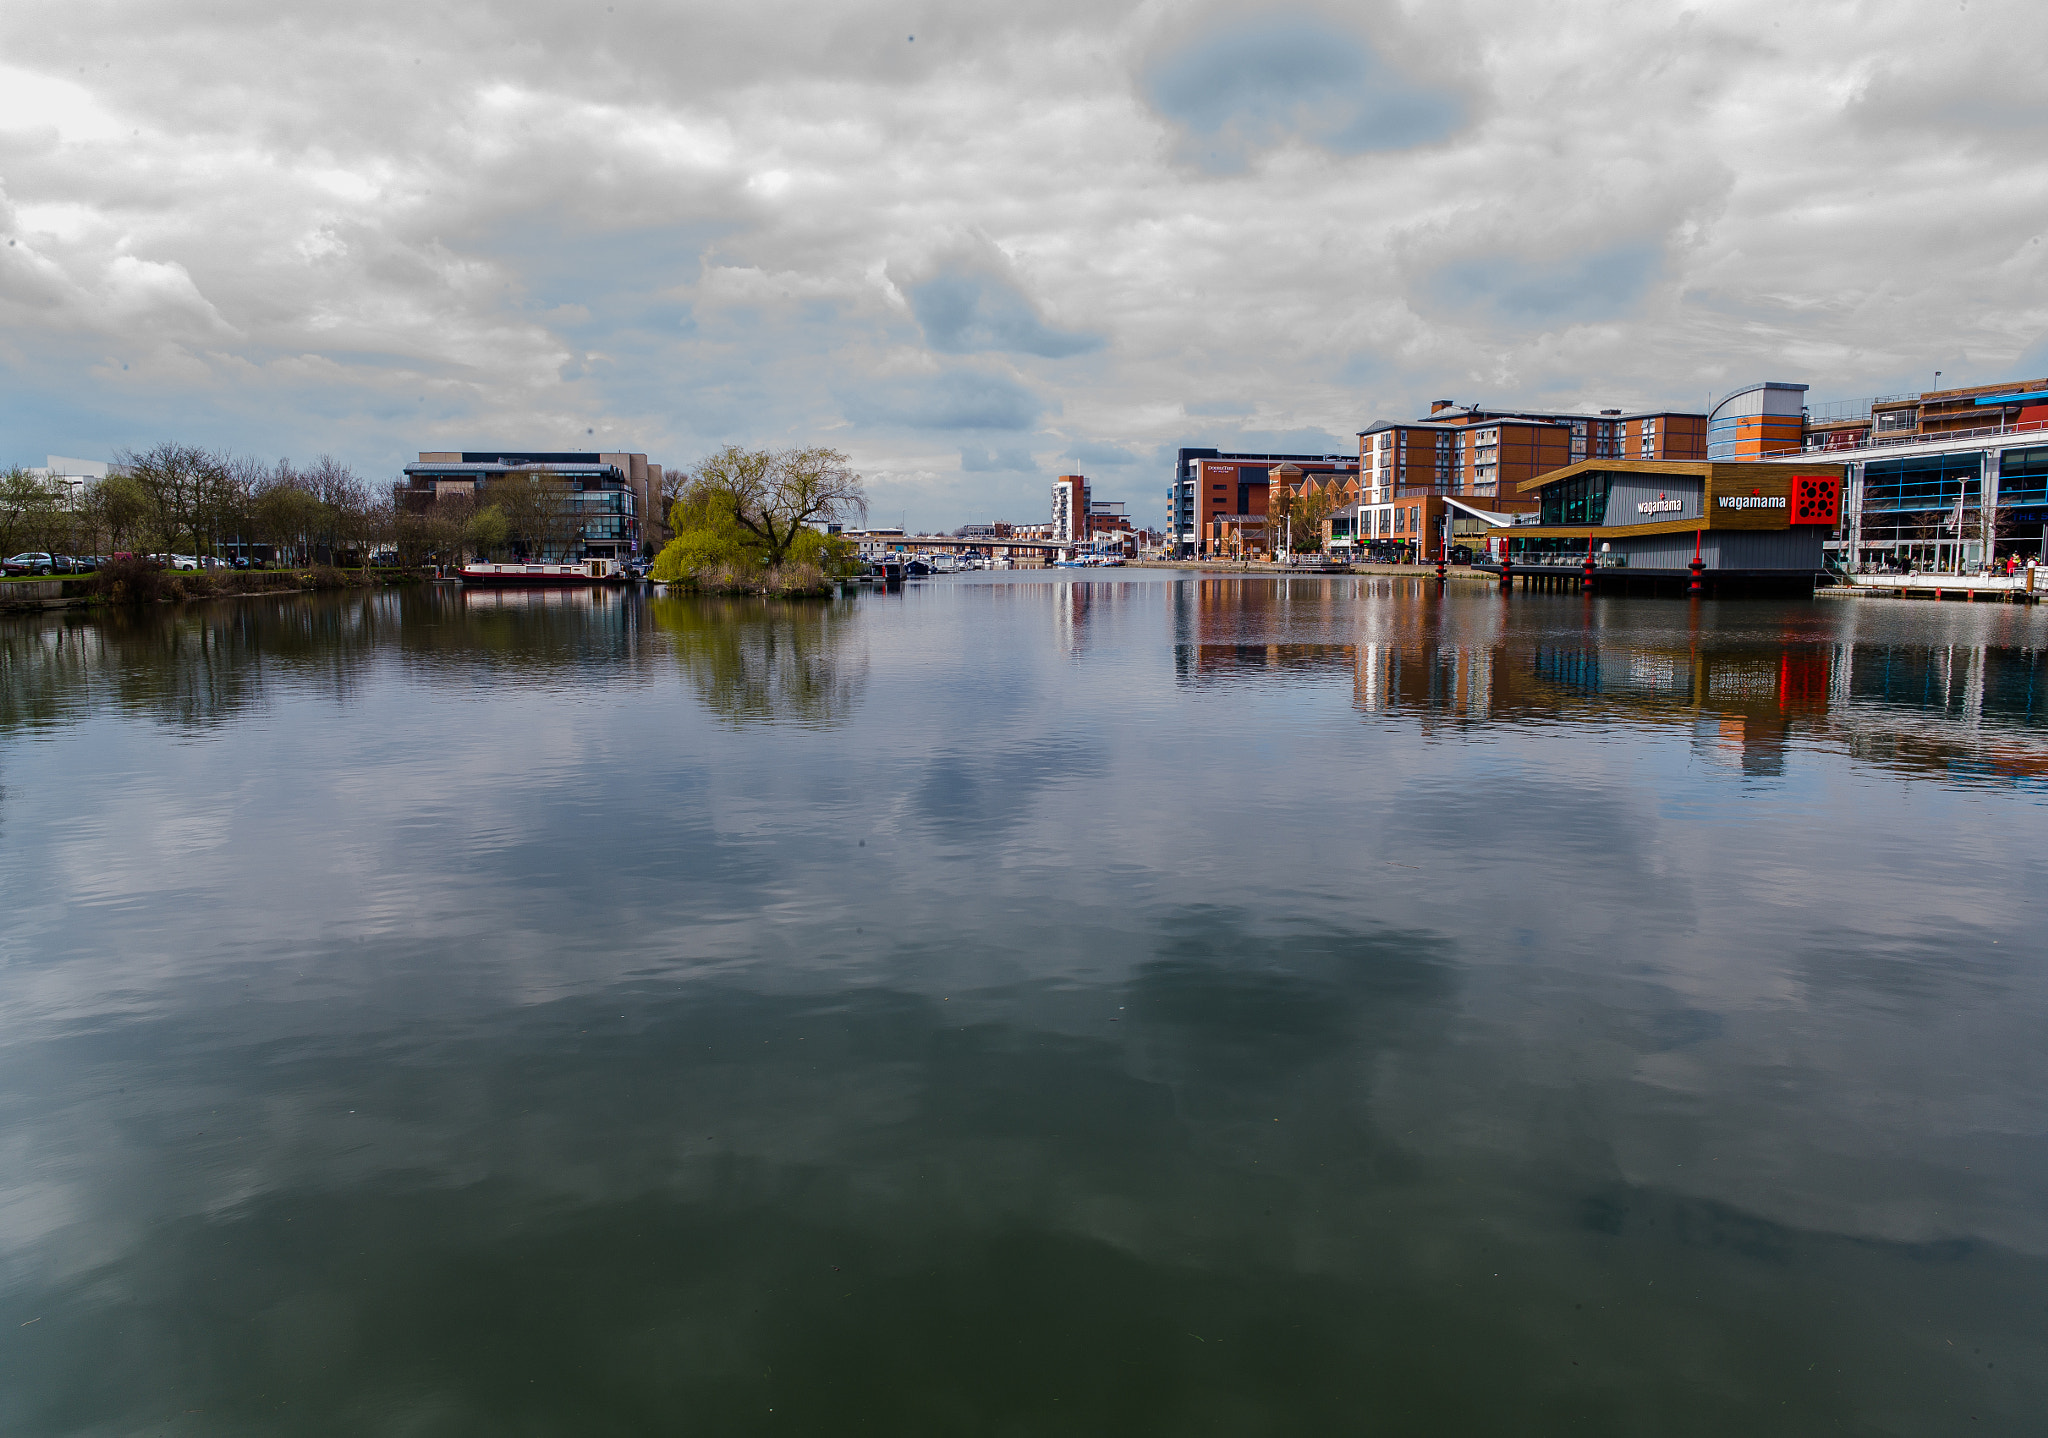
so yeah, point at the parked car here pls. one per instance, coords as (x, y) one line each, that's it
(34, 561)
(183, 561)
(87, 563)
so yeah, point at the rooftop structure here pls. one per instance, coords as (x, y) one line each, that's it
(1757, 421)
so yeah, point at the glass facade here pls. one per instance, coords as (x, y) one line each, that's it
(2023, 477)
(1582, 499)
(1934, 482)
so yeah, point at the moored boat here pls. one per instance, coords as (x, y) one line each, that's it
(553, 572)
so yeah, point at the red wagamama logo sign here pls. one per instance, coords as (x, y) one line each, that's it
(1816, 499)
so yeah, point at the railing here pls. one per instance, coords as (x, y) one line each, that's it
(1563, 560)
(2032, 426)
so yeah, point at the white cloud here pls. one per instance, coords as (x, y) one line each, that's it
(382, 228)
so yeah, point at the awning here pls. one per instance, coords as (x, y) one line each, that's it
(1498, 521)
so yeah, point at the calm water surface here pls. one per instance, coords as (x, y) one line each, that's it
(1025, 1006)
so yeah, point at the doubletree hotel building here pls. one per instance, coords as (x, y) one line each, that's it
(1644, 521)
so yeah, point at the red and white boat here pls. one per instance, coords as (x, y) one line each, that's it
(552, 573)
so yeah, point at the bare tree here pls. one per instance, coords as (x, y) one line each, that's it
(173, 476)
(541, 512)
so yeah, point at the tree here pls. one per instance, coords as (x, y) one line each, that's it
(285, 514)
(173, 477)
(1295, 515)
(120, 508)
(27, 511)
(487, 530)
(774, 495)
(540, 511)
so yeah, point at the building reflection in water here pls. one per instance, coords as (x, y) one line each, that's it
(1745, 680)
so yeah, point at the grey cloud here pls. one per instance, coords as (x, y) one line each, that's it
(951, 399)
(976, 459)
(1257, 84)
(969, 299)
(1584, 286)
(1109, 456)
(1306, 440)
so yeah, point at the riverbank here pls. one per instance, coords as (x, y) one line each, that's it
(131, 586)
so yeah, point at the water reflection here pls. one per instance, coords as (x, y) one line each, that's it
(511, 1012)
(194, 665)
(1745, 679)
(767, 661)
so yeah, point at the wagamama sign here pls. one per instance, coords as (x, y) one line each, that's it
(1751, 501)
(1662, 504)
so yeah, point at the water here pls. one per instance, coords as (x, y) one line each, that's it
(1025, 1006)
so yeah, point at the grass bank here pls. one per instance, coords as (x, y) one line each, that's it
(137, 582)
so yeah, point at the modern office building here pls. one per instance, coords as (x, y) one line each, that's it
(1224, 492)
(1643, 522)
(1944, 481)
(613, 493)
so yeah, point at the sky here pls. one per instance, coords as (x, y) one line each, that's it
(978, 246)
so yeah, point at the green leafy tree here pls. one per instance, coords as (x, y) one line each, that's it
(761, 513)
(487, 531)
(775, 495)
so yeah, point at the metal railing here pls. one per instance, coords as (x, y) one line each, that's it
(2032, 426)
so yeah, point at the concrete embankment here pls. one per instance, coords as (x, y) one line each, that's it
(1301, 571)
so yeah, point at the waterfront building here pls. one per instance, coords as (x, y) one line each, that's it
(1217, 492)
(1070, 508)
(1945, 481)
(613, 494)
(1447, 479)
(1749, 524)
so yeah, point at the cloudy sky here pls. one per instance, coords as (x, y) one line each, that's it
(976, 246)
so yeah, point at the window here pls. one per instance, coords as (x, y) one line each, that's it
(1397, 521)
(1582, 499)
(1934, 483)
(2023, 477)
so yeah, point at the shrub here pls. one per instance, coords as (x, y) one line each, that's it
(130, 581)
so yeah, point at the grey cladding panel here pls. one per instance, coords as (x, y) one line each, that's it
(1630, 492)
